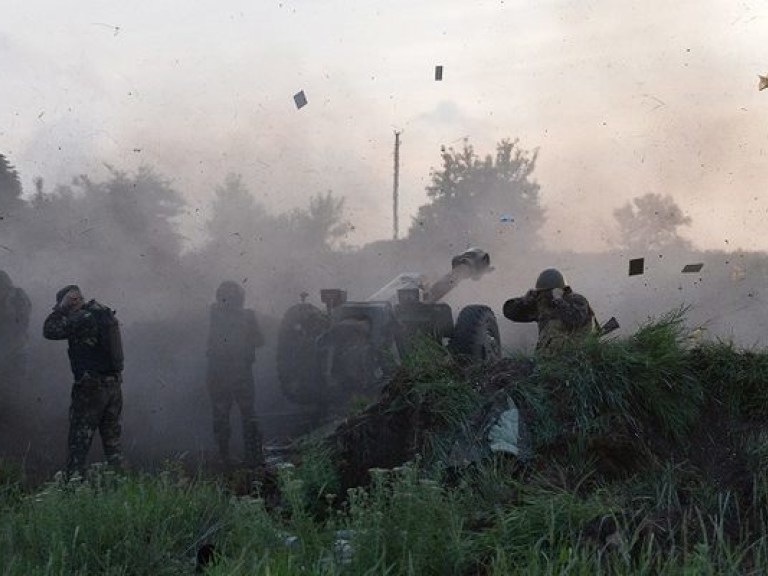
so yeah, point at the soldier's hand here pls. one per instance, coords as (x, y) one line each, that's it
(530, 296)
(545, 296)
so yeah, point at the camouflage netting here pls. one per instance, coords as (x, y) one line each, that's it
(621, 406)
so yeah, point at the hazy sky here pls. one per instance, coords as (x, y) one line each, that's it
(621, 98)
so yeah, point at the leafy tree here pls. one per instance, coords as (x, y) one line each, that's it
(651, 222)
(470, 196)
(237, 219)
(321, 225)
(113, 232)
(143, 207)
(10, 187)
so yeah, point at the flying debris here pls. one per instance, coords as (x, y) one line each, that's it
(691, 268)
(609, 326)
(115, 28)
(300, 99)
(636, 266)
(763, 82)
(438, 73)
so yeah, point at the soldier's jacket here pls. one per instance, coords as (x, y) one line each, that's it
(561, 321)
(14, 319)
(93, 336)
(233, 337)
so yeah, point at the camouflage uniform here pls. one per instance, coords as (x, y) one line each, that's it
(233, 338)
(14, 322)
(95, 355)
(561, 321)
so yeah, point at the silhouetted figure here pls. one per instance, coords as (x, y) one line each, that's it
(233, 337)
(14, 324)
(96, 357)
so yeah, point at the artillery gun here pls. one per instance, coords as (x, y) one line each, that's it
(326, 358)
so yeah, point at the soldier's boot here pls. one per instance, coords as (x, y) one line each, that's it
(252, 442)
(75, 466)
(115, 461)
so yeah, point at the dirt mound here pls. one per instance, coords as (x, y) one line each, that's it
(622, 407)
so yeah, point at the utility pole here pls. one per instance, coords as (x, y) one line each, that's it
(396, 186)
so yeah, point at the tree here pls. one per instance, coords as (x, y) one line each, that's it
(651, 222)
(237, 220)
(10, 187)
(143, 207)
(471, 196)
(321, 225)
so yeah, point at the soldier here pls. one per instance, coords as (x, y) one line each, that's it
(233, 338)
(563, 316)
(14, 322)
(96, 357)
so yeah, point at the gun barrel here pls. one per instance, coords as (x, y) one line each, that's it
(474, 263)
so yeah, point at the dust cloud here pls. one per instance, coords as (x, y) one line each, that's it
(617, 102)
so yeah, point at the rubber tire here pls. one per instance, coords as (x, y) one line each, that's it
(297, 353)
(476, 335)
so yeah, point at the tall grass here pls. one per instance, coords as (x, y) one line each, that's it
(616, 387)
(109, 524)
(404, 522)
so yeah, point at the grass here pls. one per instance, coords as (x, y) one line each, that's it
(109, 524)
(692, 415)
(404, 522)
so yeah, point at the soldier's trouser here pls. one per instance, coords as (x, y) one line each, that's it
(223, 395)
(97, 403)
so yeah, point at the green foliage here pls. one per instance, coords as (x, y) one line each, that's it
(651, 222)
(110, 525)
(431, 386)
(11, 479)
(546, 518)
(316, 477)
(616, 387)
(736, 377)
(406, 524)
(470, 193)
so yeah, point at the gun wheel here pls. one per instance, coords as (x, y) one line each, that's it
(476, 335)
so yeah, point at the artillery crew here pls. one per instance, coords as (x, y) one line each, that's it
(96, 358)
(14, 322)
(563, 317)
(233, 337)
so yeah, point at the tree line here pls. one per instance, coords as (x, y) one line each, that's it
(124, 229)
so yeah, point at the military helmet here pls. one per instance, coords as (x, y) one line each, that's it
(550, 279)
(230, 294)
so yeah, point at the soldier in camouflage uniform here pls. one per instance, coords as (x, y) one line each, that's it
(563, 317)
(96, 357)
(233, 337)
(14, 322)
